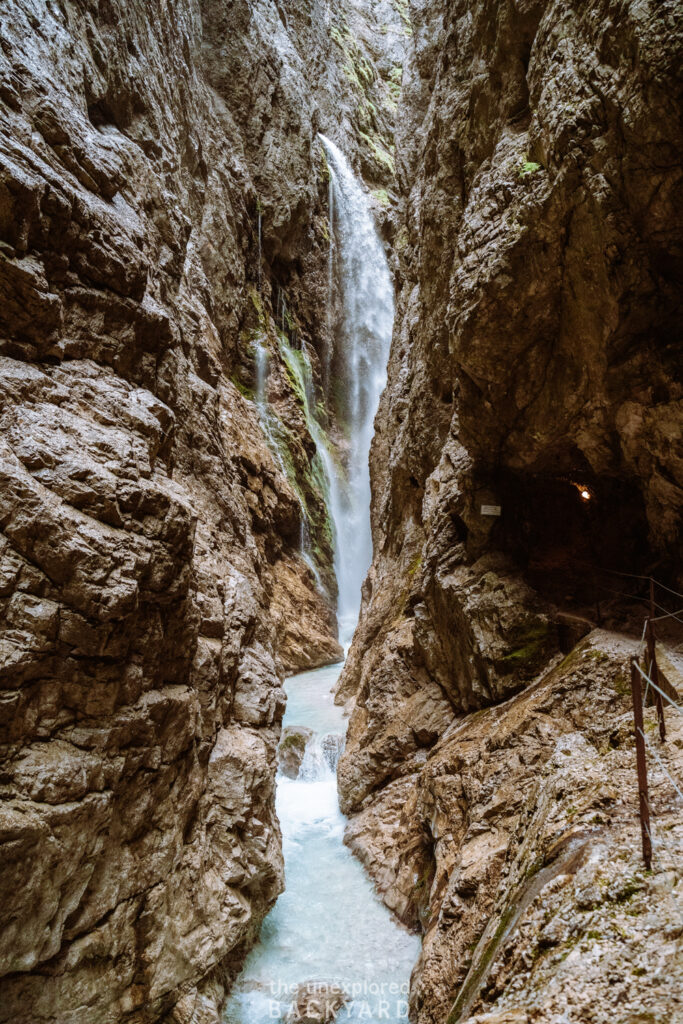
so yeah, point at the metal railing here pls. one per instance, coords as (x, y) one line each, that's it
(651, 676)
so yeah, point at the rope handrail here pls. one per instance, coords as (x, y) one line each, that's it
(612, 572)
(669, 615)
(662, 842)
(655, 687)
(628, 575)
(648, 639)
(664, 587)
(620, 593)
(642, 599)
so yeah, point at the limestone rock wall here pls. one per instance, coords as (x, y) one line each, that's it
(535, 355)
(150, 573)
(515, 846)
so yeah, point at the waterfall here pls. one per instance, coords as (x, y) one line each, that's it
(261, 360)
(356, 355)
(321, 757)
(329, 925)
(327, 366)
(359, 359)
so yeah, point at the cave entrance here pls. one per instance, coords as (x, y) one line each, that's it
(573, 536)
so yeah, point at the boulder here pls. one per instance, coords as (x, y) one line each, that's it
(290, 752)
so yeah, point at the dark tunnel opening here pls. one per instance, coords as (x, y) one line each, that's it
(581, 542)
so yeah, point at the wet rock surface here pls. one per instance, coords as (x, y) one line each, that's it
(163, 220)
(538, 261)
(152, 588)
(291, 750)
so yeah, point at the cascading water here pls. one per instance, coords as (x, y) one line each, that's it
(327, 361)
(329, 926)
(261, 360)
(360, 357)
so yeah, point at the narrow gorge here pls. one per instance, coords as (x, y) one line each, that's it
(341, 502)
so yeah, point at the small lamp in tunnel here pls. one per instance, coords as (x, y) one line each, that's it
(585, 492)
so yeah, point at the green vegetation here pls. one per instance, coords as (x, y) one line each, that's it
(570, 944)
(415, 565)
(396, 79)
(530, 643)
(336, 34)
(393, 87)
(475, 977)
(310, 483)
(295, 371)
(382, 197)
(245, 391)
(257, 303)
(325, 172)
(381, 155)
(401, 8)
(362, 75)
(367, 113)
(402, 240)
(529, 167)
(425, 880)
(534, 868)
(356, 67)
(295, 739)
(629, 889)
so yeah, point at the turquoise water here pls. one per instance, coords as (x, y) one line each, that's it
(328, 925)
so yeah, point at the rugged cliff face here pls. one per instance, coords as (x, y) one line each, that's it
(162, 215)
(166, 552)
(535, 357)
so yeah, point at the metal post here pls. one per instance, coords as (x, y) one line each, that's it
(641, 764)
(652, 658)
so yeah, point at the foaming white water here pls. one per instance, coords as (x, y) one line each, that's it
(361, 351)
(328, 925)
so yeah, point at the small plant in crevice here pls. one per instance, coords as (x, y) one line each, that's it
(529, 167)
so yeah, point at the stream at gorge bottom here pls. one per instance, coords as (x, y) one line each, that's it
(329, 925)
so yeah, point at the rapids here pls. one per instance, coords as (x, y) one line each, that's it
(328, 925)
